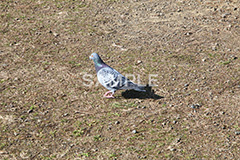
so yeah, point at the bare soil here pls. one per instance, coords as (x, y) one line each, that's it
(48, 112)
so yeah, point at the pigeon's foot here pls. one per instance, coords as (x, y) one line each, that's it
(109, 94)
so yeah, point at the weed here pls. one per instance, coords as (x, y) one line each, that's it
(113, 155)
(2, 80)
(97, 138)
(116, 104)
(168, 155)
(131, 104)
(53, 133)
(2, 145)
(114, 114)
(84, 154)
(225, 62)
(23, 117)
(78, 132)
(32, 107)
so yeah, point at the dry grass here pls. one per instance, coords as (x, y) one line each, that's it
(48, 113)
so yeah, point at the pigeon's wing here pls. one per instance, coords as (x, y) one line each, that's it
(111, 79)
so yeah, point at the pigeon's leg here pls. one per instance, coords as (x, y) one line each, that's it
(106, 93)
(109, 94)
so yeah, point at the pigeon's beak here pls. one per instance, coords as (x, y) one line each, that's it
(91, 57)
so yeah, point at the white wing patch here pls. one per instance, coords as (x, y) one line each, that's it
(110, 78)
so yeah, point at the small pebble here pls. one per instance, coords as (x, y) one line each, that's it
(222, 112)
(55, 34)
(224, 15)
(139, 61)
(190, 115)
(194, 106)
(178, 140)
(208, 113)
(30, 111)
(4, 65)
(214, 48)
(44, 113)
(65, 114)
(237, 132)
(188, 33)
(161, 14)
(134, 131)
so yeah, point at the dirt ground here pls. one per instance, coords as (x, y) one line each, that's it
(48, 111)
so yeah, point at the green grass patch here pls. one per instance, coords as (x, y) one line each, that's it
(97, 138)
(225, 62)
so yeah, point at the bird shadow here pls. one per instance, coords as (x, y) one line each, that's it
(149, 94)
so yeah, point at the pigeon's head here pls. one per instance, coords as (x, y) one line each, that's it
(94, 56)
(97, 60)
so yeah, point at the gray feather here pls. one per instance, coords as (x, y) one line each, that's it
(112, 79)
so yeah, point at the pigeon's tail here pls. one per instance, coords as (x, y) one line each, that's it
(140, 88)
(136, 87)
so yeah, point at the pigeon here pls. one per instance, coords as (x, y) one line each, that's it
(112, 79)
